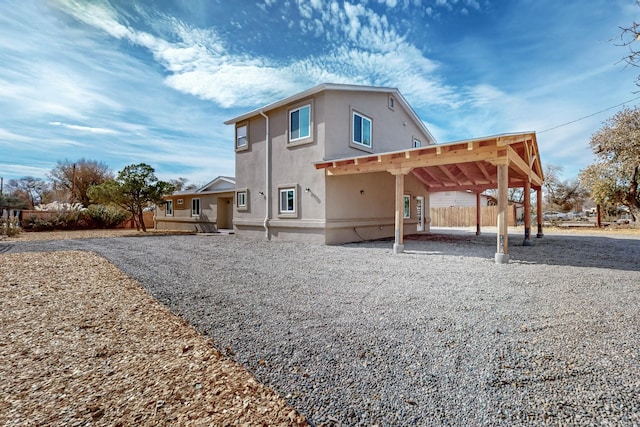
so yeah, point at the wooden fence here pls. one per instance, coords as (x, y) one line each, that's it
(465, 216)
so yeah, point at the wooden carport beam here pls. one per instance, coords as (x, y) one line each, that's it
(502, 252)
(527, 214)
(399, 173)
(478, 213)
(539, 212)
(523, 167)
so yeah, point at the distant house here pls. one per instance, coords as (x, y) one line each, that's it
(445, 199)
(281, 194)
(206, 209)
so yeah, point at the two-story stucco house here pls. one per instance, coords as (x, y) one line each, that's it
(279, 192)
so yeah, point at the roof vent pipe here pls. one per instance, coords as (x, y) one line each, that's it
(267, 173)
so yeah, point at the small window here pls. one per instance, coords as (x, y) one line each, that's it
(242, 200)
(168, 210)
(287, 200)
(300, 123)
(180, 202)
(392, 102)
(407, 206)
(361, 130)
(241, 137)
(416, 143)
(195, 207)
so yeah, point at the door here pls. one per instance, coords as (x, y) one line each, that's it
(225, 213)
(419, 213)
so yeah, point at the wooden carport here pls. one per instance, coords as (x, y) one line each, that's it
(501, 161)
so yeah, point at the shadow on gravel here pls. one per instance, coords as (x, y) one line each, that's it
(618, 253)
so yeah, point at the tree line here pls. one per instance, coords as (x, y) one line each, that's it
(90, 183)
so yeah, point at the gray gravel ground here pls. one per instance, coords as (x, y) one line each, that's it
(440, 335)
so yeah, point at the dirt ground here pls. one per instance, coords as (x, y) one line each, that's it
(83, 344)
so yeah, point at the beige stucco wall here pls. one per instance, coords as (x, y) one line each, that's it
(183, 221)
(363, 206)
(331, 203)
(290, 165)
(391, 129)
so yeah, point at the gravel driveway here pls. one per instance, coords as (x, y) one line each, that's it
(440, 335)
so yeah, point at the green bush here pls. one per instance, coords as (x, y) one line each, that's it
(107, 216)
(65, 220)
(95, 216)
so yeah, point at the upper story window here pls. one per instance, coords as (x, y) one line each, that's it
(300, 123)
(392, 103)
(242, 141)
(195, 207)
(416, 143)
(361, 130)
(168, 210)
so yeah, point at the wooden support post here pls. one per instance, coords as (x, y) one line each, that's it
(478, 214)
(527, 214)
(502, 253)
(539, 212)
(398, 245)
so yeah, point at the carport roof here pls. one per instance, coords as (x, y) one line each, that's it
(461, 165)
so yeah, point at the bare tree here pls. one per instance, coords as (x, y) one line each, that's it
(562, 195)
(75, 178)
(31, 190)
(615, 178)
(628, 38)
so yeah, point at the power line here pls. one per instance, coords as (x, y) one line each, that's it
(590, 115)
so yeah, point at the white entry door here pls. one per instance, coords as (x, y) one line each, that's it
(420, 213)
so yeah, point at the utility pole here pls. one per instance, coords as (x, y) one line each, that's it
(1, 185)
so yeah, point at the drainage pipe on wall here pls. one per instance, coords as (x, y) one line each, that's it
(266, 178)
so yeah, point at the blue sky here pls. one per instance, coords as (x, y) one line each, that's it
(130, 81)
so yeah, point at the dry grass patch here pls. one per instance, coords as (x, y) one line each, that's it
(84, 344)
(87, 234)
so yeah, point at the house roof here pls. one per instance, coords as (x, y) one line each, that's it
(461, 165)
(334, 86)
(221, 184)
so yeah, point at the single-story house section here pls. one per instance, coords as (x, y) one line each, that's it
(207, 209)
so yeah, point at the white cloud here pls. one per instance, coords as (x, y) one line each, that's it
(10, 137)
(87, 129)
(200, 64)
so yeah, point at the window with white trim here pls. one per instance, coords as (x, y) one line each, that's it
(300, 123)
(168, 210)
(287, 200)
(195, 207)
(416, 143)
(361, 130)
(241, 199)
(241, 137)
(407, 206)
